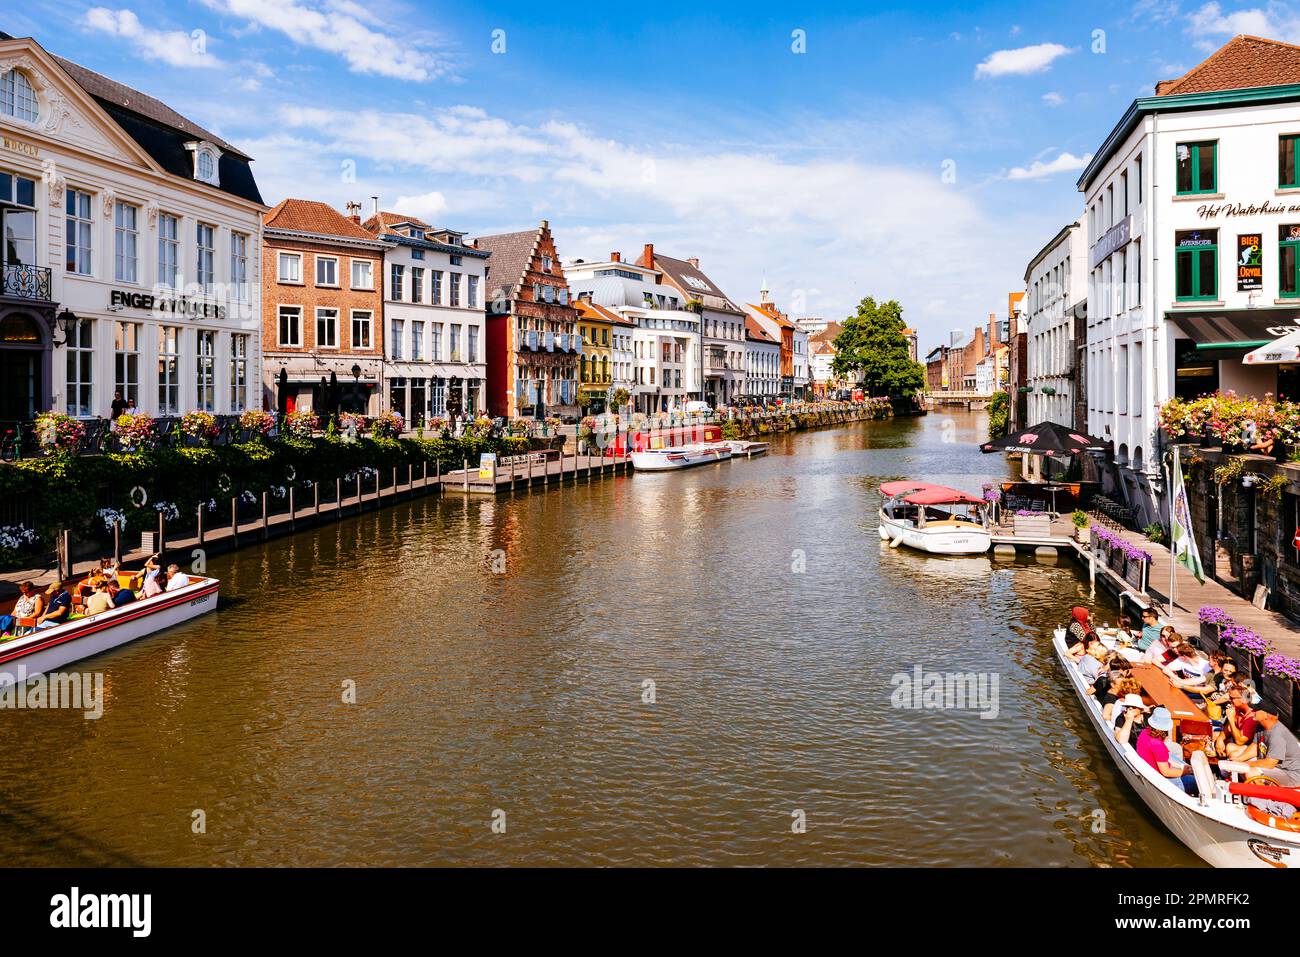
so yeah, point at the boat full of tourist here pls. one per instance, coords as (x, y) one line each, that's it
(1216, 795)
(680, 457)
(81, 619)
(933, 518)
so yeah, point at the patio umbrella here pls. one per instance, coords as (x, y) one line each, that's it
(1285, 349)
(1046, 438)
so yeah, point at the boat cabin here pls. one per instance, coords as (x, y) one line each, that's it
(923, 505)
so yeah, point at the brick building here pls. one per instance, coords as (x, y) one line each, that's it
(322, 305)
(532, 336)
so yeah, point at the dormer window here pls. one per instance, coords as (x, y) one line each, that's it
(207, 159)
(17, 98)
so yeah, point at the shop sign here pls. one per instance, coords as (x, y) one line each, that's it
(1228, 210)
(175, 304)
(1250, 269)
(487, 466)
(1115, 238)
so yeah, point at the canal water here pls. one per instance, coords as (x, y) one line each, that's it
(675, 669)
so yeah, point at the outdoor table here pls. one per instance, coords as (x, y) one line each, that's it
(1162, 691)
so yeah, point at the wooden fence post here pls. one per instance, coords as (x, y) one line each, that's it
(265, 523)
(200, 522)
(293, 512)
(234, 519)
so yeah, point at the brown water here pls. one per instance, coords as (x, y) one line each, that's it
(522, 691)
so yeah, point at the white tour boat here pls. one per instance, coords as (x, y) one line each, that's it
(50, 649)
(745, 448)
(681, 457)
(1218, 826)
(933, 518)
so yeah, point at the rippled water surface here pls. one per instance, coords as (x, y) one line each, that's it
(522, 692)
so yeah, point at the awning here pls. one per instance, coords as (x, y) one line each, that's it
(1236, 328)
(1286, 349)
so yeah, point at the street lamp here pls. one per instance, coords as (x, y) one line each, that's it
(66, 321)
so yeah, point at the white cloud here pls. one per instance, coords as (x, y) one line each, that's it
(730, 206)
(426, 206)
(1210, 21)
(1064, 163)
(344, 29)
(1053, 99)
(1022, 60)
(173, 47)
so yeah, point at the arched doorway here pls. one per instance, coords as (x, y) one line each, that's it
(22, 367)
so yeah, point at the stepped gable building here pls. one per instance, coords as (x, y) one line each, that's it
(532, 336)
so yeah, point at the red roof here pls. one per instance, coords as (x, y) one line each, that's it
(310, 216)
(1241, 63)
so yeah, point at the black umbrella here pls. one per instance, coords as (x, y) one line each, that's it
(1046, 438)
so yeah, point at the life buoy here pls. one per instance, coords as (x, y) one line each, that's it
(1281, 823)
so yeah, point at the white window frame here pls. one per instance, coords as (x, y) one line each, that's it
(369, 266)
(80, 351)
(169, 370)
(15, 97)
(126, 242)
(362, 319)
(239, 355)
(205, 256)
(239, 264)
(333, 263)
(280, 312)
(205, 370)
(82, 224)
(330, 313)
(169, 250)
(283, 257)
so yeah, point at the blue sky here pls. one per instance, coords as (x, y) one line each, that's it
(922, 154)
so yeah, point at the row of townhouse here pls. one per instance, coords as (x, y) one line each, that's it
(141, 265)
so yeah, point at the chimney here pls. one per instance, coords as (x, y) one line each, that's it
(354, 212)
(616, 257)
(695, 263)
(648, 256)
(375, 200)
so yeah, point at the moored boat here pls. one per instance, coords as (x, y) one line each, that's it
(1216, 825)
(933, 518)
(50, 649)
(681, 457)
(743, 447)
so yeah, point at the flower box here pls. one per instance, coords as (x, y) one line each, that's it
(1241, 658)
(1133, 574)
(1209, 637)
(1278, 693)
(1116, 561)
(1033, 526)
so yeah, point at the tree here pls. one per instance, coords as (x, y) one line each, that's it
(999, 415)
(873, 346)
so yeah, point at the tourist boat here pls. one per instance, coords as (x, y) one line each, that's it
(681, 457)
(1217, 826)
(747, 449)
(52, 648)
(933, 518)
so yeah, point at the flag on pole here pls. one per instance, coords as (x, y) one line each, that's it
(1180, 525)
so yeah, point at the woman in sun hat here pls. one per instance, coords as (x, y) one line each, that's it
(1153, 748)
(1131, 712)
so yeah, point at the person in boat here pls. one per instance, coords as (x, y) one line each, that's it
(1132, 714)
(1125, 633)
(1123, 692)
(1103, 686)
(1161, 651)
(100, 600)
(1150, 629)
(1190, 670)
(151, 586)
(176, 578)
(1275, 750)
(1237, 734)
(121, 596)
(58, 606)
(1077, 632)
(1153, 747)
(30, 604)
(1094, 659)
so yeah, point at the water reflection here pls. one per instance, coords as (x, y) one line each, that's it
(755, 595)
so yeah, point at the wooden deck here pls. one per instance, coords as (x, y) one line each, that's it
(536, 469)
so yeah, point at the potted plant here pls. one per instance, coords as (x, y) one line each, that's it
(1032, 524)
(59, 433)
(1082, 534)
(1247, 649)
(1136, 562)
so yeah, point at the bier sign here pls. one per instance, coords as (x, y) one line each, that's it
(487, 466)
(1250, 268)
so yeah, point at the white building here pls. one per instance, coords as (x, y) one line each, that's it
(762, 361)
(1192, 203)
(132, 253)
(802, 364)
(722, 323)
(1056, 294)
(434, 314)
(666, 337)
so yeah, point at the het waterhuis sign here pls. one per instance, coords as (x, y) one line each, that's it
(1229, 210)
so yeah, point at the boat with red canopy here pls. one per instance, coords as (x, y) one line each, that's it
(933, 518)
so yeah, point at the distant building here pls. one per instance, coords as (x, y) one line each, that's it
(936, 369)
(1056, 284)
